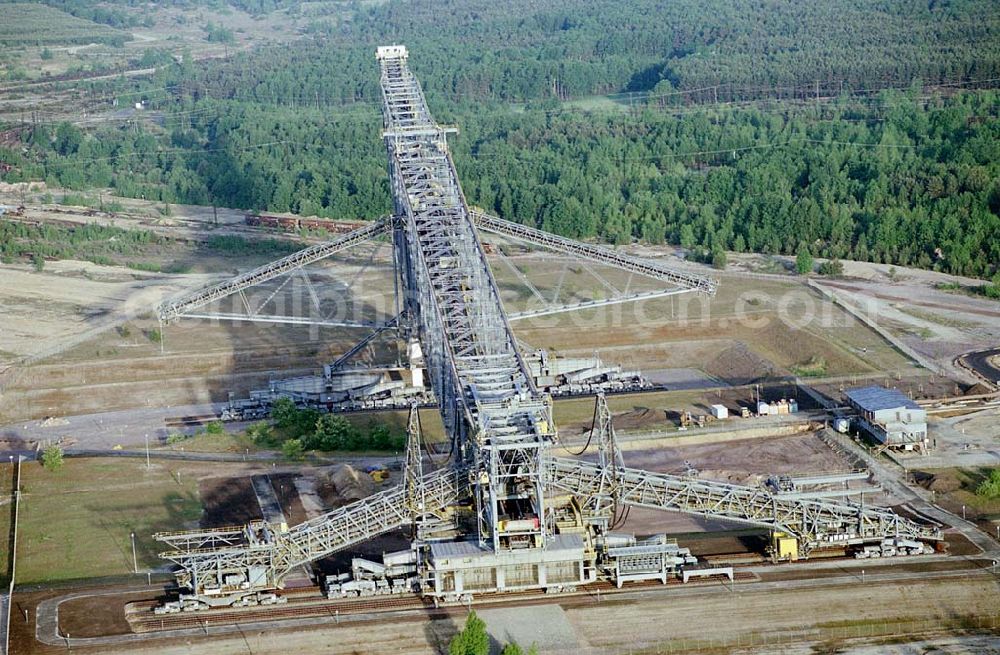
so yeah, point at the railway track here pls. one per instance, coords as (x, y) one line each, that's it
(146, 621)
(142, 620)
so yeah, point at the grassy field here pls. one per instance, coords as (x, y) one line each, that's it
(75, 522)
(215, 443)
(36, 23)
(765, 315)
(6, 517)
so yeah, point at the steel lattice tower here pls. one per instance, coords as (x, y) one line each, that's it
(499, 424)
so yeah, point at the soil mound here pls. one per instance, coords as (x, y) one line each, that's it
(738, 365)
(352, 484)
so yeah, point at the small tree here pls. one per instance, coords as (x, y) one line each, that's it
(262, 434)
(990, 487)
(52, 457)
(333, 432)
(833, 268)
(284, 412)
(215, 427)
(687, 237)
(472, 640)
(292, 449)
(39, 262)
(719, 258)
(803, 260)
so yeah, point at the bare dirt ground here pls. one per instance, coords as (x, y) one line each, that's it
(938, 324)
(231, 500)
(748, 462)
(799, 619)
(969, 440)
(637, 626)
(70, 311)
(228, 501)
(288, 496)
(84, 618)
(100, 319)
(739, 336)
(178, 31)
(661, 411)
(72, 302)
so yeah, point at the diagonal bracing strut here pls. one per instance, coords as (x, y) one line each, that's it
(185, 305)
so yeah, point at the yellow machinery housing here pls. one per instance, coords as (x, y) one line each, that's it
(784, 546)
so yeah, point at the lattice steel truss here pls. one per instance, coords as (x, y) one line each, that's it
(499, 421)
(500, 425)
(187, 305)
(813, 522)
(227, 562)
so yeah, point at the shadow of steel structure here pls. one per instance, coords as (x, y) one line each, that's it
(499, 424)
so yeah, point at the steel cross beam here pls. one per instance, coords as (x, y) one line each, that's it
(284, 320)
(595, 253)
(211, 554)
(500, 424)
(814, 522)
(593, 304)
(184, 305)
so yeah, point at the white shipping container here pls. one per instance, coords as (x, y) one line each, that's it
(720, 411)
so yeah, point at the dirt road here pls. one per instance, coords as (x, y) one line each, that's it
(796, 613)
(985, 363)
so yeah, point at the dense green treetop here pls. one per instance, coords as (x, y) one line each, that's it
(716, 138)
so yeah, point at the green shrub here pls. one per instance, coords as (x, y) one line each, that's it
(832, 268)
(292, 449)
(215, 427)
(990, 487)
(332, 432)
(719, 259)
(262, 435)
(52, 457)
(149, 267)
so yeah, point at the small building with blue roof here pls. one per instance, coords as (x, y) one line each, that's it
(890, 417)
